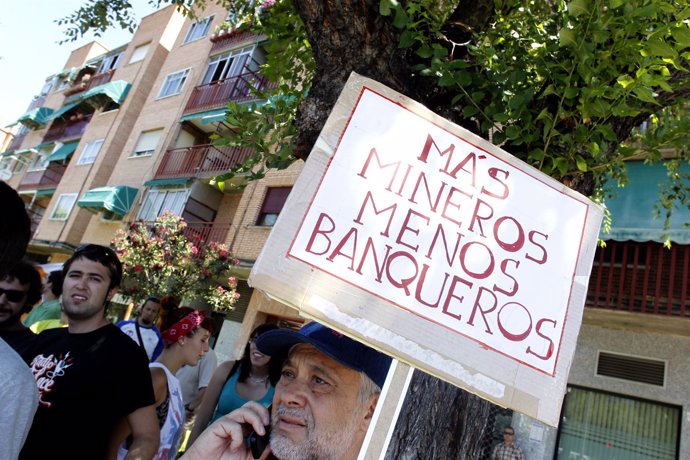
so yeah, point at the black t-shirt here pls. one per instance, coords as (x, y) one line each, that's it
(21, 340)
(87, 383)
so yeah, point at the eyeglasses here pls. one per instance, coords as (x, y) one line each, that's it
(13, 295)
(508, 433)
(109, 252)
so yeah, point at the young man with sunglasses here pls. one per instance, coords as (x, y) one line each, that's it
(20, 290)
(90, 375)
(507, 450)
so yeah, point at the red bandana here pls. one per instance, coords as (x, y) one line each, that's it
(183, 327)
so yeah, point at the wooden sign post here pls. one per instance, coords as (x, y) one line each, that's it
(434, 246)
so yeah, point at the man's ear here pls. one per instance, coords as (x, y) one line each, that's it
(111, 293)
(369, 413)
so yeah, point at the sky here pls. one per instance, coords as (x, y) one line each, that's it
(29, 49)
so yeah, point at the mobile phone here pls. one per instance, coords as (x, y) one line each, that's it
(257, 444)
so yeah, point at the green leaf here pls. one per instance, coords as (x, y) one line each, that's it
(407, 39)
(469, 110)
(660, 48)
(578, 7)
(512, 132)
(567, 37)
(681, 35)
(625, 80)
(464, 78)
(385, 7)
(581, 163)
(400, 19)
(645, 94)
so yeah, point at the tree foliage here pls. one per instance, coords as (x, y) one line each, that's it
(166, 257)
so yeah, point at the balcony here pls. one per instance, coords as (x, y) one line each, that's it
(38, 101)
(201, 233)
(35, 215)
(67, 129)
(199, 161)
(641, 278)
(16, 142)
(44, 178)
(95, 80)
(218, 93)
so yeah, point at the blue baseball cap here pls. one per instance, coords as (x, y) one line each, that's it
(346, 351)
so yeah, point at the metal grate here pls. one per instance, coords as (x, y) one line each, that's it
(631, 368)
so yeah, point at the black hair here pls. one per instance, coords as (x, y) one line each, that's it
(26, 273)
(55, 278)
(275, 366)
(151, 299)
(15, 228)
(101, 254)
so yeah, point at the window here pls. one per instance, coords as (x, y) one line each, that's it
(90, 152)
(63, 206)
(6, 165)
(198, 29)
(146, 145)
(110, 62)
(598, 424)
(139, 53)
(47, 86)
(159, 201)
(64, 84)
(173, 83)
(40, 160)
(228, 65)
(273, 203)
(238, 11)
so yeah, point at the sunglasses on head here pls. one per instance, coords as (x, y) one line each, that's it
(509, 433)
(13, 295)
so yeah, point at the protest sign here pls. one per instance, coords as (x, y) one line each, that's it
(433, 245)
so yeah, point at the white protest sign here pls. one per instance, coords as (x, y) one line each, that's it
(431, 244)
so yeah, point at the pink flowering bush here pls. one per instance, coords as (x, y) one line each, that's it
(167, 257)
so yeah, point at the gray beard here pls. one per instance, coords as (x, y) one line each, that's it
(329, 446)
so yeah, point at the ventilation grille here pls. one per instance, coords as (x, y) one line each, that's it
(631, 368)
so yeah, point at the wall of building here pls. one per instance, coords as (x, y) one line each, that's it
(249, 237)
(672, 349)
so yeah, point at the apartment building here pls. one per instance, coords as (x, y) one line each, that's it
(124, 134)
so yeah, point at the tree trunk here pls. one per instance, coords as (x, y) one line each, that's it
(440, 421)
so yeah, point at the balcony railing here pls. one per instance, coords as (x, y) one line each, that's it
(218, 93)
(66, 129)
(16, 142)
(199, 161)
(44, 178)
(641, 277)
(37, 102)
(201, 233)
(95, 80)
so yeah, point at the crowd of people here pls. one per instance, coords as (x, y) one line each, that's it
(86, 388)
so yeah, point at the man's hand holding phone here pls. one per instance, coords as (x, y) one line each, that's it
(225, 438)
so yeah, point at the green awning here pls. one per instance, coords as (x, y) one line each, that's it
(100, 95)
(7, 153)
(117, 199)
(632, 207)
(63, 110)
(36, 118)
(63, 152)
(45, 192)
(20, 152)
(159, 182)
(206, 117)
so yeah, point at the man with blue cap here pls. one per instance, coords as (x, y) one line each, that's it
(322, 406)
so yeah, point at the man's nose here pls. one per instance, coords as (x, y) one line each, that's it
(293, 394)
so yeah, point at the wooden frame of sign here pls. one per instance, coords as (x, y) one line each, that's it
(436, 247)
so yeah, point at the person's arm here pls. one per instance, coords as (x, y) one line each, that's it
(124, 428)
(207, 367)
(159, 346)
(208, 404)
(225, 438)
(145, 433)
